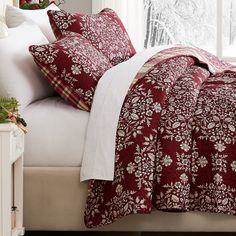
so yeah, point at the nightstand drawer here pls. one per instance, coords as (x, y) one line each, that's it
(17, 144)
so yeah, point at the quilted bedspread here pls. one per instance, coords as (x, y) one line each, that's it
(175, 141)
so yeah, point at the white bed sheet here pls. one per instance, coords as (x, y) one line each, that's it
(56, 133)
(99, 153)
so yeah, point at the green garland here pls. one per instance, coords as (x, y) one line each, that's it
(7, 105)
(34, 6)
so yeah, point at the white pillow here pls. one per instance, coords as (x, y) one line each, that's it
(19, 75)
(16, 16)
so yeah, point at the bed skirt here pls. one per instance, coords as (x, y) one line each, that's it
(54, 200)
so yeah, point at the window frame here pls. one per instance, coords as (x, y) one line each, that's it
(219, 33)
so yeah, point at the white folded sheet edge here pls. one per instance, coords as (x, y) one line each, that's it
(99, 152)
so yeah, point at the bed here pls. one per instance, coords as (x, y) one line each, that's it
(54, 198)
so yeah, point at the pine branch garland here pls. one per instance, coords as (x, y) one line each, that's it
(9, 113)
(7, 105)
(34, 6)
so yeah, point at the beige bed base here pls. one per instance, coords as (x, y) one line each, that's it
(54, 199)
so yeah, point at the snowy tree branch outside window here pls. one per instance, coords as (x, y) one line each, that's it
(190, 22)
(229, 28)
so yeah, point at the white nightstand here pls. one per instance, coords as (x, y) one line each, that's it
(11, 179)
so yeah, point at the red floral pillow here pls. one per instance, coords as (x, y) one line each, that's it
(104, 30)
(73, 67)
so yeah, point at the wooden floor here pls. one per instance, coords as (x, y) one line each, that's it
(42, 233)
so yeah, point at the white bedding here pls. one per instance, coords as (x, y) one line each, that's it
(56, 133)
(99, 153)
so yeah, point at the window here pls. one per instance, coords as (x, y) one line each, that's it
(209, 24)
(229, 29)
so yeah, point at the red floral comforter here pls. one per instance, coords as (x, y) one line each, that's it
(175, 143)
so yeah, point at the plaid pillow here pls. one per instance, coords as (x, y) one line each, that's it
(73, 67)
(104, 30)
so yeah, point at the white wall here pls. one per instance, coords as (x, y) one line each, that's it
(82, 6)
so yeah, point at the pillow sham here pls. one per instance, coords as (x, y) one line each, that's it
(104, 30)
(19, 76)
(16, 16)
(73, 67)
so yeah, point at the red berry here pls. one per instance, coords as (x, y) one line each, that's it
(35, 7)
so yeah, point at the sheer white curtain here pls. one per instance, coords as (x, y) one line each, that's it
(131, 13)
(3, 6)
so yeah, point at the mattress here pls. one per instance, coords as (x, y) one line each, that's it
(56, 134)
